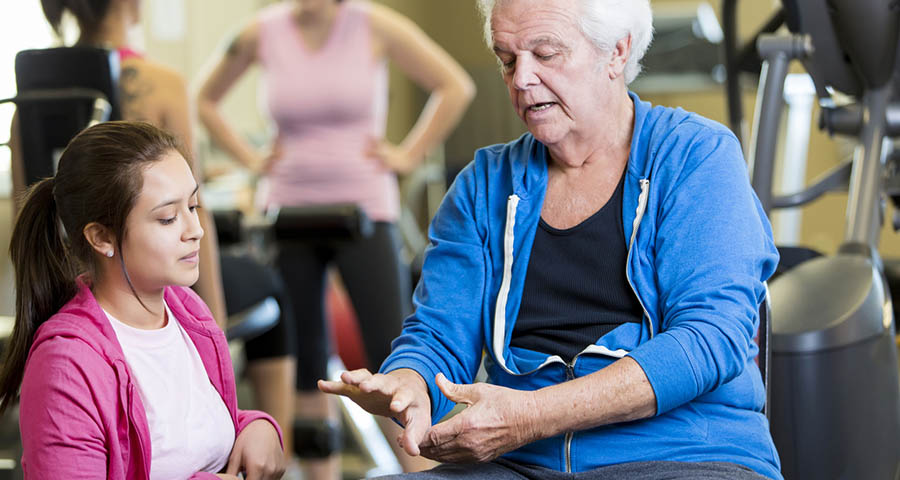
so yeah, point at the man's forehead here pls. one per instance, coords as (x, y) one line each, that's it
(534, 22)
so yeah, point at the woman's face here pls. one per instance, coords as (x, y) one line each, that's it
(162, 233)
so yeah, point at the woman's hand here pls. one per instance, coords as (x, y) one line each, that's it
(392, 156)
(257, 452)
(225, 476)
(261, 162)
(496, 420)
(401, 394)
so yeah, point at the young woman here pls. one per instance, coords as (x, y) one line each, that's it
(324, 65)
(124, 373)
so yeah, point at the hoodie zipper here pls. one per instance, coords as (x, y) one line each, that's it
(570, 375)
(500, 308)
(639, 215)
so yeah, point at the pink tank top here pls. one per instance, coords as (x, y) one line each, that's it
(327, 104)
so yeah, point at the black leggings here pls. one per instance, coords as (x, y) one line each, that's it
(247, 282)
(377, 282)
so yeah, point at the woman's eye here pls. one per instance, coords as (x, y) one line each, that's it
(167, 221)
(193, 208)
(546, 57)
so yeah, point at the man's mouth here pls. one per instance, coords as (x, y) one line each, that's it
(540, 106)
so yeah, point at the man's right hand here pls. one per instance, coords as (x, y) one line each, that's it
(401, 394)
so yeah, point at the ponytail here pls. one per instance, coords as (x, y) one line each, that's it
(53, 12)
(45, 280)
(89, 13)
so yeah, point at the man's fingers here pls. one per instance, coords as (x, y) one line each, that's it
(418, 422)
(402, 399)
(356, 377)
(443, 432)
(337, 388)
(455, 392)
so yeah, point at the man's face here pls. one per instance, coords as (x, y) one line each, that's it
(557, 79)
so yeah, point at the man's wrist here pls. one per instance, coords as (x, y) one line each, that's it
(540, 421)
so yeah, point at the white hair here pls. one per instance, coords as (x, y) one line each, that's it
(604, 22)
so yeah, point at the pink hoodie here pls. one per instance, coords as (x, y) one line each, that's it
(81, 415)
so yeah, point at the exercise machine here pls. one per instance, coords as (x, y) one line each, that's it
(835, 389)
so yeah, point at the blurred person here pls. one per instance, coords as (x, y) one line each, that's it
(324, 65)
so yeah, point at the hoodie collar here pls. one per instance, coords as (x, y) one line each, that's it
(83, 318)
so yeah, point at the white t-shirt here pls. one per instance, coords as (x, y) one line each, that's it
(190, 427)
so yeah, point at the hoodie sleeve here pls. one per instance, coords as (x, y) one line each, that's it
(245, 417)
(445, 332)
(714, 251)
(59, 418)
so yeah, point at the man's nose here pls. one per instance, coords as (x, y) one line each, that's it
(525, 74)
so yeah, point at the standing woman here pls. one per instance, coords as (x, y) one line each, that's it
(148, 92)
(124, 373)
(324, 65)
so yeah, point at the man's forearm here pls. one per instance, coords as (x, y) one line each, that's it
(620, 392)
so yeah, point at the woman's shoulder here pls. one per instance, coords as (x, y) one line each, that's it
(66, 355)
(150, 72)
(148, 90)
(384, 20)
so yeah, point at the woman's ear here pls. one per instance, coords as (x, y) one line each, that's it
(100, 238)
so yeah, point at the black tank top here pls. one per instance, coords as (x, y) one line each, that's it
(575, 287)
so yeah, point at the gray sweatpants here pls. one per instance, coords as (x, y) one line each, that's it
(501, 469)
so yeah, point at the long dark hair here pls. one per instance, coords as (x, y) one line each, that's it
(99, 177)
(89, 13)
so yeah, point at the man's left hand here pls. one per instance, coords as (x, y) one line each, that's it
(495, 421)
(257, 452)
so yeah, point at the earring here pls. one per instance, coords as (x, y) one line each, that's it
(109, 254)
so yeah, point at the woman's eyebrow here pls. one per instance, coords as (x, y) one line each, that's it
(173, 201)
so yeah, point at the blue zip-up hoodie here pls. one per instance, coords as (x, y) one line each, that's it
(699, 252)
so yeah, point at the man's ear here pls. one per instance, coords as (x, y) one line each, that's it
(100, 238)
(619, 57)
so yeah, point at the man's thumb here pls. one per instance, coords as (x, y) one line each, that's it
(455, 392)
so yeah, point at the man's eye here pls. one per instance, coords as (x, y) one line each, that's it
(546, 57)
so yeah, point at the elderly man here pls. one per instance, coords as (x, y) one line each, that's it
(609, 264)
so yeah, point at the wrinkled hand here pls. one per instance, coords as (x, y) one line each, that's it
(496, 420)
(401, 394)
(257, 452)
(391, 156)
